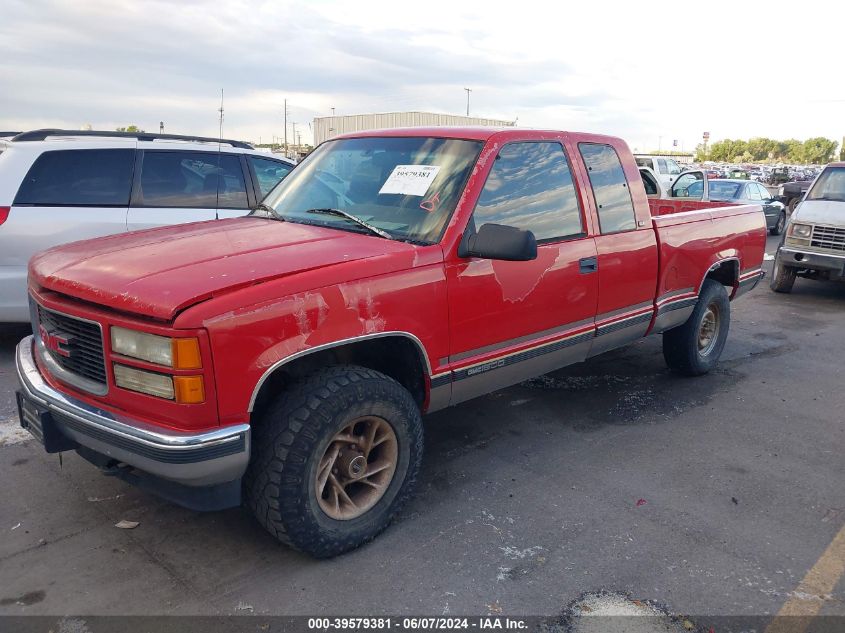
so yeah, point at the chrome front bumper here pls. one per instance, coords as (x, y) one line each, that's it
(201, 459)
(797, 257)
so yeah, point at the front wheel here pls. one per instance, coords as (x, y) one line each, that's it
(777, 229)
(783, 277)
(335, 457)
(694, 348)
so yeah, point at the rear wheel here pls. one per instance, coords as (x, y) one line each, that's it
(694, 348)
(792, 204)
(783, 277)
(335, 457)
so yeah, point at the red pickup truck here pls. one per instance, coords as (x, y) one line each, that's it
(286, 357)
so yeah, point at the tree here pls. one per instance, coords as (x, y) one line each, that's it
(818, 150)
(130, 128)
(760, 148)
(701, 153)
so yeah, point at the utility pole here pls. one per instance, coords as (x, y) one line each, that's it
(332, 112)
(468, 91)
(286, 127)
(293, 123)
(221, 113)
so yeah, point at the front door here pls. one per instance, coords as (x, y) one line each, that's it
(514, 320)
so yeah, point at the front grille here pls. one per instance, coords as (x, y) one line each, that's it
(828, 237)
(84, 345)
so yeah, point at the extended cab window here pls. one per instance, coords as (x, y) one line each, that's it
(80, 177)
(530, 187)
(196, 180)
(268, 172)
(610, 188)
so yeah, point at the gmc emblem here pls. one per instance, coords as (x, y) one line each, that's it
(54, 341)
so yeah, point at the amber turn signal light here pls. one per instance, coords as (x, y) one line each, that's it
(189, 389)
(186, 353)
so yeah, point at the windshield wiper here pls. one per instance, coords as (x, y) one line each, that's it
(344, 214)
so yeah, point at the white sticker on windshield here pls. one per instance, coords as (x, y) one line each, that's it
(410, 180)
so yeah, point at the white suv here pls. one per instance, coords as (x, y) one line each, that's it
(59, 186)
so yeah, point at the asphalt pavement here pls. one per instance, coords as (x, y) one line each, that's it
(714, 495)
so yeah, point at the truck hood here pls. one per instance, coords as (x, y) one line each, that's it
(820, 212)
(159, 272)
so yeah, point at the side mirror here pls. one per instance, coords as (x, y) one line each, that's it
(497, 241)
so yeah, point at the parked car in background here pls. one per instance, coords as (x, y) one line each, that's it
(791, 193)
(743, 192)
(59, 186)
(813, 245)
(666, 169)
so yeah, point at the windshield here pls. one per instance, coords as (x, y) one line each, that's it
(407, 187)
(829, 186)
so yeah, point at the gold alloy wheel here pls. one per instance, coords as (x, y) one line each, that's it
(357, 468)
(708, 331)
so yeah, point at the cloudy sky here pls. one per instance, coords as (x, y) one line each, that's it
(650, 72)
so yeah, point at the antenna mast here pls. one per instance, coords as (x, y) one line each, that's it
(220, 110)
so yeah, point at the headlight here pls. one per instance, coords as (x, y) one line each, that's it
(179, 353)
(801, 230)
(183, 389)
(144, 381)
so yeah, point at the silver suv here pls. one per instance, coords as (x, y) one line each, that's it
(59, 186)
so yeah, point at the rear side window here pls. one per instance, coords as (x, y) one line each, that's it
(661, 166)
(268, 172)
(79, 177)
(530, 187)
(194, 180)
(751, 192)
(610, 188)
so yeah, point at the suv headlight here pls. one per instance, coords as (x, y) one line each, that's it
(801, 230)
(179, 353)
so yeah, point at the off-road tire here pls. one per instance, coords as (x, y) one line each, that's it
(783, 277)
(777, 229)
(681, 344)
(290, 438)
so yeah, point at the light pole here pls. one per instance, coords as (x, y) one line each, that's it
(468, 91)
(161, 127)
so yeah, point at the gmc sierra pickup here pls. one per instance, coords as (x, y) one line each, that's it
(284, 359)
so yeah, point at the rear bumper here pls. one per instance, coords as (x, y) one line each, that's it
(798, 258)
(188, 460)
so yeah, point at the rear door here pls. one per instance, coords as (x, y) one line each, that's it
(175, 185)
(626, 247)
(66, 195)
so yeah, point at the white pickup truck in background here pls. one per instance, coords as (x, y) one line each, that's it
(666, 169)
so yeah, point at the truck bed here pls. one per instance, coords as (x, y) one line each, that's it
(693, 236)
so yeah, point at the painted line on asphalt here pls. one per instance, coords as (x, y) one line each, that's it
(807, 599)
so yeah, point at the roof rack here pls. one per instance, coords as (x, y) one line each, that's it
(40, 135)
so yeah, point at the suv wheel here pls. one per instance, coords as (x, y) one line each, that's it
(694, 348)
(335, 457)
(783, 277)
(777, 229)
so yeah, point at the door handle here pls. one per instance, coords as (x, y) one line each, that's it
(588, 265)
